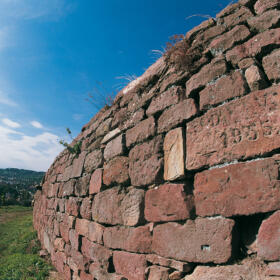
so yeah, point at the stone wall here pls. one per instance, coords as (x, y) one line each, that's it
(179, 178)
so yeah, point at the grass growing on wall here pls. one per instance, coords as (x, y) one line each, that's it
(19, 247)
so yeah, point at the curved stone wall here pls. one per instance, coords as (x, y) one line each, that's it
(179, 178)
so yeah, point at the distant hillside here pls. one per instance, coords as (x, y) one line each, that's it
(17, 185)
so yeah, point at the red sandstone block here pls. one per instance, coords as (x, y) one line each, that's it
(77, 165)
(114, 148)
(67, 272)
(264, 5)
(176, 115)
(85, 209)
(85, 276)
(168, 202)
(254, 46)
(67, 188)
(93, 161)
(82, 186)
(132, 119)
(268, 245)
(137, 239)
(228, 40)
(233, 85)
(52, 190)
(201, 240)
(238, 17)
(271, 65)
(273, 269)
(145, 163)
(140, 132)
(82, 226)
(116, 171)
(255, 78)
(164, 100)
(238, 189)
(208, 73)
(96, 181)
(74, 239)
(265, 20)
(95, 232)
(240, 129)
(114, 206)
(59, 261)
(59, 244)
(72, 206)
(158, 272)
(130, 265)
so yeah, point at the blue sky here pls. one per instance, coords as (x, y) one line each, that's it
(54, 52)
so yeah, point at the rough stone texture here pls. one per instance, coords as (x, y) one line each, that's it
(85, 209)
(146, 162)
(202, 240)
(240, 129)
(238, 189)
(96, 181)
(95, 232)
(115, 207)
(268, 245)
(223, 89)
(116, 171)
(140, 132)
(273, 269)
(156, 272)
(168, 202)
(130, 265)
(263, 5)
(137, 239)
(114, 148)
(112, 134)
(239, 16)
(93, 161)
(176, 115)
(271, 65)
(82, 226)
(208, 73)
(255, 78)
(174, 158)
(82, 186)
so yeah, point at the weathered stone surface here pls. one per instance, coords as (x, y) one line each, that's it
(255, 78)
(273, 269)
(268, 245)
(112, 134)
(74, 239)
(207, 74)
(229, 39)
(96, 181)
(228, 10)
(164, 100)
(140, 132)
(138, 240)
(240, 129)
(85, 276)
(72, 206)
(59, 244)
(263, 5)
(103, 128)
(146, 162)
(264, 21)
(113, 207)
(82, 186)
(114, 148)
(238, 189)
(174, 158)
(85, 209)
(168, 202)
(201, 240)
(246, 63)
(82, 226)
(201, 27)
(254, 46)
(95, 232)
(176, 115)
(116, 171)
(180, 266)
(271, 65)
(133, 119)
(77, 165)
(130, 265)
(225, 88)
(93, 161)
(157, 272)
(238, 17)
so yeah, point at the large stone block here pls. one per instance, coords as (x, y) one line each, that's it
(174, 157)
(82, 226)
(255, 78)
(114, 206)
(72, 206)
(114, 148)
(96, 181)
(268, 244)
(201, 240)
(227, 87)
(265, 20)
(137, 239)
(93, 161)
(168, 202)
(176, 114)
(146, 162)
(130, 265)
(85, 209)
(238, 189)
(95, 232)
(264, 5)
(271, 65)
(77, 165)
(238, 130)
(140, 132)
(116, 171)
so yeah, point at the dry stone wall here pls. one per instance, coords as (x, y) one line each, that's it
(179, 178)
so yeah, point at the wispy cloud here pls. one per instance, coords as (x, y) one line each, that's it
(5, 100)
(28, 152)
(10, 123)
(36, 124)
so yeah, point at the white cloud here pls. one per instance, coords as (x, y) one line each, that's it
(28, 152)
(4, 99)
(36, 124)
(10, 123)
